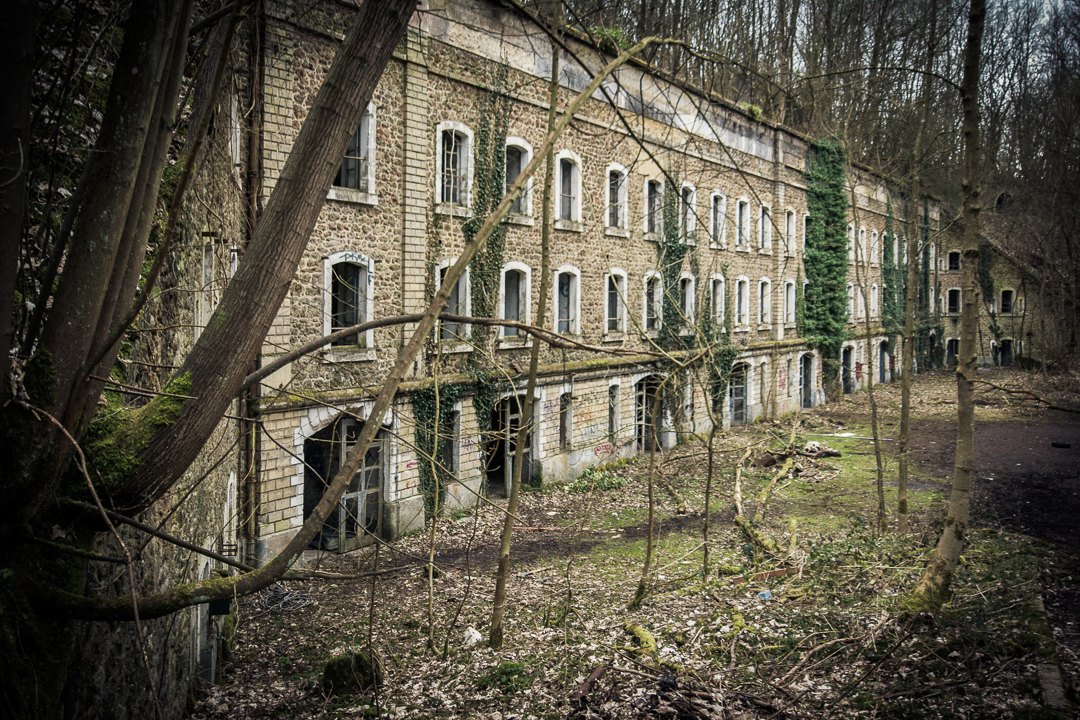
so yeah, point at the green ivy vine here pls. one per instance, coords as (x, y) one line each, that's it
(894, 280)
(824, 307)
(433, 411)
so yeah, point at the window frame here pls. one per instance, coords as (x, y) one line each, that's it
(717, 219)
(652, 222)
(524, 300)
(574, 222)
(764, 296)
(789, 302)
(949, 301)
(688, 214)
(949, 261)
(463, 206)
(718, 301)
(742, 303)
(656, 302)
(574, 321)
(1012, 302)
(365, 194)
(365, 339)
(464, 295)
(620, 201)
(742, 224)
(790, 232)
(621, 317)
(525, 212)
(765, 229)
(687, 300)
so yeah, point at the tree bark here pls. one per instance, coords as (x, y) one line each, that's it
(933, 588)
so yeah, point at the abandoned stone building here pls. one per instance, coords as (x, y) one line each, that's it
(646, 162)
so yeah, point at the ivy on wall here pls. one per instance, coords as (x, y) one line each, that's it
(824, 314)
(670, 252)
(894, 280)
(433, 411)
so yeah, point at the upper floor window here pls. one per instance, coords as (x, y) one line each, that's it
(789, 232)
(873, 301)
(764, 301)
(514, 293)
(875, 248)
(717, 219)
(717, 295)
(687, 214)
(742, 301)
(567, 301)
(615, 302)
(862, 246)
(789, 302)
(952, 301)
(954, 260)
(457, 304)
(615, 215)
(654, 207)
(518, 155)
(860, 302)
(765, 230)
(568, 187)
(686, 299)
(453, 172)
(348, 284)
(653, 302)
(850, 243)
(742, 223)
(850, 302)
(357, 170)
(1007, 297)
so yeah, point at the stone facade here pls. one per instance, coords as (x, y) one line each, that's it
(402, 228)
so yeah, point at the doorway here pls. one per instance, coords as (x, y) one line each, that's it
(648, 410)
(502, 445)
(806, 381)
(883, 362)
(358, 518)
(952, 350)
(846, 365)
(737, 395)
(1005, 352)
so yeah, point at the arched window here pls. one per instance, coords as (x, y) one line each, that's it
(453, 164)
(742, 224)
(567, 190)
(688, 214)
(653, 204)
(742, 301)
(567, 301)
(615, 197)
(518, 154)
(717, 298)
(348, 293)
(615, 301)
(686, 299)
(718, 219)
(514, 294)
(765, 230)
(764, 301)
(458, 304)
(789, 302)
(653, 302)
(789, 232)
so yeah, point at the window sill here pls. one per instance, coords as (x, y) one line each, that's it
(453, 210)
(348, 353)
(525, 220)
(617, 232)
(686, 331)
(718, 246)
(452, 347)
(764, 251)
(742, 248)
(349, 195)
(514, 342)
(651, 236)
(614, 336)
(764, 326)
(742, 328)
(569, 226)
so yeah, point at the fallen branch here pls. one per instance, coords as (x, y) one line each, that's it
(646, 640)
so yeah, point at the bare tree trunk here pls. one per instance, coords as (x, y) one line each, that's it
(911, 268)
(933, 588)
(502, 575)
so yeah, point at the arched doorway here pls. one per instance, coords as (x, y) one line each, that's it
(806, 380)
(648, 410)
(502, 445)
(358, 518)
(737, 400)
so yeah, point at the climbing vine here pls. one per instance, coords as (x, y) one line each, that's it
(489, 185)
(670, 251)
(928, 324)
(433, 411)
(824, 306)
(894, 277)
